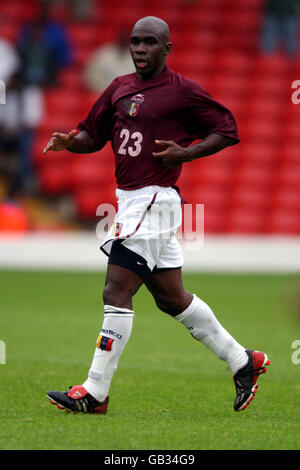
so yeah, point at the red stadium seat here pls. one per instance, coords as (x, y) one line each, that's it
(215, 172)
(261, 130)
(264, 106)
(211, 197)
(82, 55)
(90, 198)
(60, 99)
(9, 31)
(289, 152)
(211, 4)
(236, 4)
(158, 3)
(88, 99)
(194, 39)
(205, 19)
(231, 84)
(271, 85)
(286, 198)
(189, 175)
(38, 146)
(106, 33)
(289, 174)
(235, 103)
(283, 221)
(54, 178)
(228, 157)
(59, 121)
(173, 16)
(272, 65)
(88, 170)
(230, 62)
(15, 13)
(291, 133)
(191, 61)
(83, 35)
(256, 175)
(240, 20)
(245, 221)
(259, 153)
(214, 220)
(250, 198)
(70, 79)
(123, 17)
(87, 201)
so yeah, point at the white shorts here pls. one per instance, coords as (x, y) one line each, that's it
(146, 222)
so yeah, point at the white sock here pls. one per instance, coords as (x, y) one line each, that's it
(112, 339)
(200, 320)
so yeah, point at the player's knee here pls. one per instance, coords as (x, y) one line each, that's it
(114, 294)
(171, 306)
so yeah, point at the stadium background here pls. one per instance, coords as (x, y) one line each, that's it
(252, 188)
(252, 225)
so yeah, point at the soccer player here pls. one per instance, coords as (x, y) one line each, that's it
(152, 117)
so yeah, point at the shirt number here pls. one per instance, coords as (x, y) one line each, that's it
(133, 150)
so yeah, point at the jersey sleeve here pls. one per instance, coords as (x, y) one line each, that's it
(98, 122)
(203, 115)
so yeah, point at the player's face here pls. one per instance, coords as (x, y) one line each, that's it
(148, 53)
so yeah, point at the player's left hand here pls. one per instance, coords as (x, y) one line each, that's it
(173, 155)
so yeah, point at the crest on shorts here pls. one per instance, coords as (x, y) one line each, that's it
(135, 104)
(116, 230)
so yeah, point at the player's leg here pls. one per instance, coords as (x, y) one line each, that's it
(170, 296)
(166, 287)
(120, 286)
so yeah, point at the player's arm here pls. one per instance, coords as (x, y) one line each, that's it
(210, 145)
(74, 141)
(174, 155)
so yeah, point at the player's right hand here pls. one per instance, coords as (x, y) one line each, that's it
(60, 141)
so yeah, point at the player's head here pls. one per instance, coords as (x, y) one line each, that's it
(149, 46)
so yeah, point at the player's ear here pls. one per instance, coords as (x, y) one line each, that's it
(168, 48)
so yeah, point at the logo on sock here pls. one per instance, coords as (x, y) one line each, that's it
(104, 343)
(111, 332)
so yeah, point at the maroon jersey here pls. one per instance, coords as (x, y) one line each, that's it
(133, 113)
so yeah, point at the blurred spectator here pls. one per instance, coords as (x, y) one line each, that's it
(44, 49)
(281, 26)
(9, 61)
(81, 10)
(107, 63)
(19, 118)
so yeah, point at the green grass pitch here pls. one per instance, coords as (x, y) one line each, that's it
(169, 392)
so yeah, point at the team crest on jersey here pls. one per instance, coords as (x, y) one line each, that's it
(116, 231)
(135, 105)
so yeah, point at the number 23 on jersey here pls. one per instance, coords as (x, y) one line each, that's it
(131, 144)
